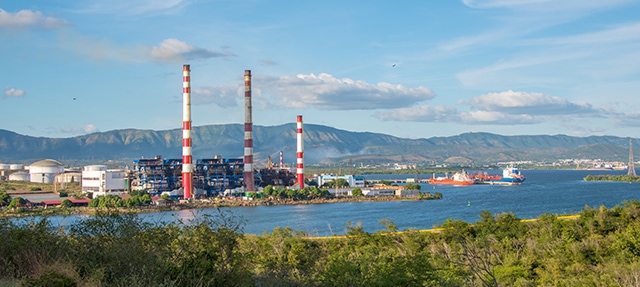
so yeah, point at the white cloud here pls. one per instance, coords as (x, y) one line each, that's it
(13, 93)
(504, 108)
(524, 103)
(497, 118)
(28, 18)
(87, 129)
(326, 92)
(545, 5)
(420, 113)
(223, 96)
(127, 7)
(174, 50)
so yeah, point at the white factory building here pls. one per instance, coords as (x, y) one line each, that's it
(98, 180)
(44, 171)
(354, 181)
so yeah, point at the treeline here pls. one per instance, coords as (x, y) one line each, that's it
(611, 177)
(600, 248)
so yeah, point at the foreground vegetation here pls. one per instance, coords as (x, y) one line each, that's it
(611, 177)
(600, 248)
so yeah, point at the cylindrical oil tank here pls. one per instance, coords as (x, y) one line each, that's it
(4, 166)
(19, 176)
(45, 171)
(16, 166)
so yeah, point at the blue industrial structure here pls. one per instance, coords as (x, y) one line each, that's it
(212, 176)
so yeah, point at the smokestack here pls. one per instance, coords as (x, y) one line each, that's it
(187, 166)
(299, 152)
(248, 134)
(280, 159)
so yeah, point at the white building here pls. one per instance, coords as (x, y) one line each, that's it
(354, 181)
(45, 171)
(99, 180)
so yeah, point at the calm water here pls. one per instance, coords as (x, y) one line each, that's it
(544, 191)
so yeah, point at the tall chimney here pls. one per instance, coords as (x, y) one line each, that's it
(300, 152)
(248, 134)
(280, 159)
(187, 166)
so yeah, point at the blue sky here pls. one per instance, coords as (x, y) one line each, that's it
(413, 69)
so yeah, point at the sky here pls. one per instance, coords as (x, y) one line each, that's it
(411, 69)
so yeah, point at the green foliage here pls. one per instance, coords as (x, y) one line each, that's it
(356, 192)
(340, 182)
(63, 193)
(35, 188)
(66, 203)
(17, 202)
(601, 248)
(412, 186)
(5, 198)
(611, 177)
(308, 192)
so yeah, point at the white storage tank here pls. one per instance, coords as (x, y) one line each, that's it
(4, 166)
(19, 176)
(16, 166)
(45, 171)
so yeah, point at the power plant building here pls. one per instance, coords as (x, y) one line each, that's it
(99, 180)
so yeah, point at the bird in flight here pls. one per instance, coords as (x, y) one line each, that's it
(394, 65)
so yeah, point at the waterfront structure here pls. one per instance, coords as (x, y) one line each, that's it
(99, 181)
(44, 171)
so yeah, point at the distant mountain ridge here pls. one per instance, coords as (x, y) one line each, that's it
(322, 145)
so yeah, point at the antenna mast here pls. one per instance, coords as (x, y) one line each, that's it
(631, 170)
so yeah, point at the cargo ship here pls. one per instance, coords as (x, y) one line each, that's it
(458, 178)
(510, 176)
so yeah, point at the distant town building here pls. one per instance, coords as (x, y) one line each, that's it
(98, 180)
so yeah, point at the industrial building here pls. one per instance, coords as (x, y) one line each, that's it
(353, 181)
(99, 181)
(209, 176)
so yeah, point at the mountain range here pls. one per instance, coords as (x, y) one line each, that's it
(322, 145)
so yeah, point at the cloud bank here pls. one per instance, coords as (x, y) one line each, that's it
(174, 50)
(28, 18)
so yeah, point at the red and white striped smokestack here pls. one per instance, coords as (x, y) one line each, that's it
(300, 152)
(248, 134)
(280, 159)
(187, 166)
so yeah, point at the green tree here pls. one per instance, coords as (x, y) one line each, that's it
(5, 198)
(412, 186)
(356, 192)
(66, 203)
(17, 202)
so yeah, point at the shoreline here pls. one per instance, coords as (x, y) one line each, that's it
(61, 211)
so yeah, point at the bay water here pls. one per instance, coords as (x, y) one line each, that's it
(544, 191)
